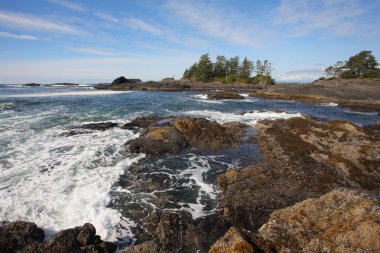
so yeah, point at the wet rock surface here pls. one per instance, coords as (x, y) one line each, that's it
(26, 237)
(102, 126)
(220, 95)
(178, 232)
(173, 135)
(303, 159)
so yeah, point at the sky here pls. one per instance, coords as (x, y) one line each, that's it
(95, 41)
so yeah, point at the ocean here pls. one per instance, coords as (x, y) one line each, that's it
(60, 181)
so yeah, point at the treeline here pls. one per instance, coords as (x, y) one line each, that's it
(362, 65)
(230, 70)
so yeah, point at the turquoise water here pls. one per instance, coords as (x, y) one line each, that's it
(63, 181)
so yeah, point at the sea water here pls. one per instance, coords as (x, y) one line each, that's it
(60, 181)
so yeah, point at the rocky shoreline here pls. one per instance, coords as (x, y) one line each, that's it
(356, 94)
(317, 189)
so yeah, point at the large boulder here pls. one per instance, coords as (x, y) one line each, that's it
(173, 135)
(17, 235)
(302, 159)
(123, 80)
(340, 221)
(26, 237)
(219, 95)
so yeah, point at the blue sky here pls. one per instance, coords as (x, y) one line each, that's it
(91, 41)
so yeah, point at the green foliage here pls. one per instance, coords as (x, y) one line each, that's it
(204, 70)
(229, 71)
(371, 73)
(361, 62)
(262, 80)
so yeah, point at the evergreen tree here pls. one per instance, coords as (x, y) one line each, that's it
(220, 66)
(361, 62)
(204, 71)
(246, 68)
(233, 65)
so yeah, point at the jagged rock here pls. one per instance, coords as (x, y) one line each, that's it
(102, 126)
(123, 80)
(176, 232)
(173, 135)
(303, 159)
(26, 237)
(232, 242)
(219, 95)
(17, 235)
(147, 121)
(340, 221)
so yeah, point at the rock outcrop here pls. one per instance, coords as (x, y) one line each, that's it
(123, 80)
(340, 221)
(177, 232)
(344, 220)
(26, 237)
(219, 95)
(303, 159)
(172, 135)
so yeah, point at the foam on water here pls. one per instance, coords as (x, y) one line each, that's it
(329, 104)
(60, 182)
(250, 118)
(68, 93)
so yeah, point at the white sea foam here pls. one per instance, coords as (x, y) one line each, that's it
(60, 182)
(250, 118)
(203, 98)
(68, 93)
(329, 104)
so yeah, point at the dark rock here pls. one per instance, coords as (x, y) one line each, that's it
(123, 80)
(178, 232)
(219, 95)
(26, 237)
(147, 121)
(175, 134)
(32, 84)
(99, 126)
(17, 235)
(303, 159)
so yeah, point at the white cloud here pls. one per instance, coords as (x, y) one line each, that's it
(301, 75)
(94, 51)
(139, 24)
(338, 17)
(17, 36)
(23, 21)
(68, 4)
(107, 17)
(217, 22)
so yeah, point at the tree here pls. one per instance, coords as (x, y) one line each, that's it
(267, 68)
(329, 72)
(233, 65)
(361, 62)
(259, 69)
(220, 66)
(246, 68)
(204, 71)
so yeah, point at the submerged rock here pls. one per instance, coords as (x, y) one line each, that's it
(172, 135)
(26, 237)
(102, 126)
(303, 159)
(219, 95)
